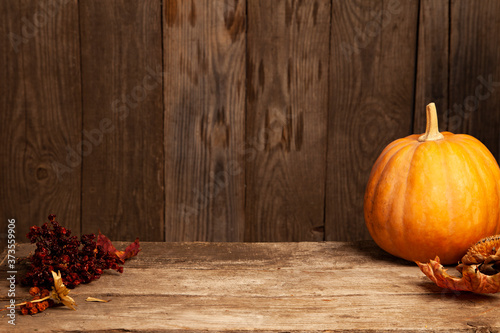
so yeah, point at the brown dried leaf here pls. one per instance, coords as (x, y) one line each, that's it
(93, 299)
(472, 279)
(131, 251)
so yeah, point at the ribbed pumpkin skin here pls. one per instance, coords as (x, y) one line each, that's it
(433, 198)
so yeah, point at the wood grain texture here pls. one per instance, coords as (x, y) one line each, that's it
(265, 287)
(264, 128)
(12, 119)
(432, 62)
(122, 183)
(371, 101)
(474, 72)
(41, 113)
(287, 105)
(204, 55)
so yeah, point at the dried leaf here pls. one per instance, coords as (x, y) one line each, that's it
(93, 299)
(105, 243)
(131, 251)
(60, 292)
(472, 278)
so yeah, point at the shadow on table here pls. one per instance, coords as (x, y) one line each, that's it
(368, 248)
(432, 291)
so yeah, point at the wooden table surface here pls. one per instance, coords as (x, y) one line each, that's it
(326, 286)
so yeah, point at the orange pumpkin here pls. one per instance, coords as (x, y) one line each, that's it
(433, 194)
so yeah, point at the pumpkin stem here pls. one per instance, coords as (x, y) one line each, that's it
(431, 130)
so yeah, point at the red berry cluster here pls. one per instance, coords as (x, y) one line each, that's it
(56, 250)
(35, 307)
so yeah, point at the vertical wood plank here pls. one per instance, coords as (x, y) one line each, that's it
(287, 103)
(432, 62)
(204, 54)
(41, 113)
(12, 122)
(372, 79)
(122, 72)
(475, 71)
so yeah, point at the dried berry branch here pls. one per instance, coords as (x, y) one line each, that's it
(76, 261)
(56, 250)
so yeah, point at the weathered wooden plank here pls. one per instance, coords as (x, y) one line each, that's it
(305, 314)
(276, 282)
(40, 116)
(474, 72)
(372, 80)
(354, 287)
(12, 119)
(204, 56)
(122, 189)
(258, 256)
(432, 62)
(287, 107)
(235, 256)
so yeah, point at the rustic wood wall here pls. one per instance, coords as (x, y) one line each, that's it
(228, 120)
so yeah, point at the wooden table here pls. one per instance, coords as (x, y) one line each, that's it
(195, 287)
